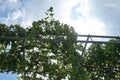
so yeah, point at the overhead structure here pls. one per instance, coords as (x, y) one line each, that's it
(79, 39)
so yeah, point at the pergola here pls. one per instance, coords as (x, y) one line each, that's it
(87, 39)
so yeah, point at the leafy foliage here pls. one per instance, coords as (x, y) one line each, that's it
(48, 50)
(104, 61)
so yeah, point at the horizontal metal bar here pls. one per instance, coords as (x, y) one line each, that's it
(56, 40)
(95, 36)
(98, 36)
(11, 38)
(100, 42)
(18, 38)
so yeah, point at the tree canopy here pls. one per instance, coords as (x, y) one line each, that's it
(104, 61)
(48, 50)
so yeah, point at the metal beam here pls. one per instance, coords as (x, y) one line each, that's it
(100, 42)
(99, 36)
(61, 40)
(85, 44)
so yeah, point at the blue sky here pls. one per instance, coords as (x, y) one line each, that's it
(5, 76)
(74, 12)
(86, 16)
(98, 17)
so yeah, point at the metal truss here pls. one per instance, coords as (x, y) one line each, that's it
(87, 39)
(79, 40)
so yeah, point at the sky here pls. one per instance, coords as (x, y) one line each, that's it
(99, 17)
(95, 17)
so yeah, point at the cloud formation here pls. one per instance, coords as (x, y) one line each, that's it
(34, 10)
(85, 24)
(11, 11)
(86, 16)
(108, 12)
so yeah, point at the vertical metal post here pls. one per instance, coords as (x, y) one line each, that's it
(85, 45)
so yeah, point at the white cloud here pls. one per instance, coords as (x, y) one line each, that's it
(17, 14)
(13, 1)
(11, 5)
(35, 10)
(11, 11)
(108, 12)
(13, 18)
(85, 24)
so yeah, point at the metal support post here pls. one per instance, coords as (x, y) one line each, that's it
(85, 45)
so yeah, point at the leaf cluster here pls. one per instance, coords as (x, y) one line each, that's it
(48, 50)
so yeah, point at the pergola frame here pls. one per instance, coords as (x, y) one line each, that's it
(78, 41)
(87, 37)
(58, 40)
